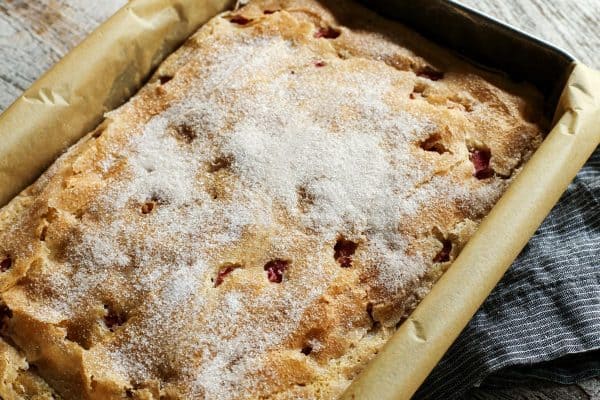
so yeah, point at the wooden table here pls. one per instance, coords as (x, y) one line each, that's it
(34, 34)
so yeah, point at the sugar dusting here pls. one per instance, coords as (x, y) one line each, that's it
(320, 146)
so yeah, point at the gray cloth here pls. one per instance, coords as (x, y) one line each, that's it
(544, 315)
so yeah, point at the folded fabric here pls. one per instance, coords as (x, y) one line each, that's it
(546, 307)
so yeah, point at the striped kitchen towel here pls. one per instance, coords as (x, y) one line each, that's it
(543, 319)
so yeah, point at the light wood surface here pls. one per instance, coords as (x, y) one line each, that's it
(34, 34)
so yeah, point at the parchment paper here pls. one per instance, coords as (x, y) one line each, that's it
(111, 64)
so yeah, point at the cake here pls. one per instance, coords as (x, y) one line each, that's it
(261, 216)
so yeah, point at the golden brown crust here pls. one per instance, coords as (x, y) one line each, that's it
(17, 380)
(256, 221)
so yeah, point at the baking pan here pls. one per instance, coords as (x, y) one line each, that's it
(486, 42)
(115, 60)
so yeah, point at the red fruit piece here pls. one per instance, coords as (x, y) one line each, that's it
(319, 64)
(224, 271)
(430, 73)
(343, 251)
(275, 269)
(327, 33)
(5, 264)
(444, 254)
(481, 162)
(239, 19)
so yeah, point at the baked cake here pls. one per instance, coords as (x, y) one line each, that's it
(257, 221)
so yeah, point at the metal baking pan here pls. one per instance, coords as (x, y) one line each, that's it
(485, 41)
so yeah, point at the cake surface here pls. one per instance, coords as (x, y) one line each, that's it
(259, 218)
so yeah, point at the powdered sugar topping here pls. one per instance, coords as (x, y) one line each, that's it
(283, 152)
